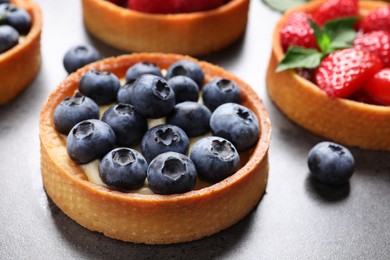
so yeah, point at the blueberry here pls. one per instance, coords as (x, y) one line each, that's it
(215, 158)
(237, 124)
(9, 37)
(220, 91)
(101, 86)
(125, 92)
(141, 68)
(16, 17)
(123, 169)
(331, 163)
(185, 88)
(129, 126)
(73, 110)
(79, 56)
(171, 173)
(152, 96)
(186, 68)
(4, 1)
(164, 138)
(89, 140)
(192, 117)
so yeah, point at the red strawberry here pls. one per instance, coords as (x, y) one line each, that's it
(378, 87)
(173, 6)
(188, 6)
(377, 20)
(118, 2)
(297, 32)
(377, 42)
(153, 6)
(336, 9)
(344, 72)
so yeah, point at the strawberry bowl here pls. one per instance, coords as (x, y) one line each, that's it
(347, 121)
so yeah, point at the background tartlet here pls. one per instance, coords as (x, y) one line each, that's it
(20, 64)
(193, 34)
(345, 121)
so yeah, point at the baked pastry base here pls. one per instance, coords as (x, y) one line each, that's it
(345, 121)
(151, 219)
(20, 64)
(193, 34)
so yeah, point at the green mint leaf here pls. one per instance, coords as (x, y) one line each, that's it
(341, 32)
(297, 57)
(283, 5)
(322, 37)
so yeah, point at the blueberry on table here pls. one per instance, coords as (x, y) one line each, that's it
(185, 89)
(129, 126)
(236, 123)
(73, 110)
(123, 169)
(16, 17)
(78, 56)
(220, 91)
(89, 140)
(164, 138)
(152, 96)
(141, 68)
(215, 158)
(171, 173)
(125, 92)
(9, 38)
(186, 68)
(331, 163)
(101, 86)
(192, 117)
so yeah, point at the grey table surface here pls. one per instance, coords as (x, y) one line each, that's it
(297, 218)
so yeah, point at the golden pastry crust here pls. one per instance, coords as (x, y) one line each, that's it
(20, 65)
(194, 34)
(151, 219)
(345, 121)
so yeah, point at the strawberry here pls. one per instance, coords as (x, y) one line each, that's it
(378, 87)
(118, 2)
(188, 6)
(377, 20)
(153, 6)
(336, 9)
(377, 42)
(297, 32)
(343, 72)
(174, 6)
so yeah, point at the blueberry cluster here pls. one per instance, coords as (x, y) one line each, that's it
(148, 95)
(14, 21)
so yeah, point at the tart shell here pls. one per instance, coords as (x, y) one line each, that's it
(20, 64)
(344, 121)
(194, 34)
(142, 218)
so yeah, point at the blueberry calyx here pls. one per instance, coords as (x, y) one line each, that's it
(173, 168)
(166, 136)
(123, 157)
(162, 90)
(223, 149)
(84, 130)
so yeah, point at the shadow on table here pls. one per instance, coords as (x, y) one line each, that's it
(326, 192)
(93, 245)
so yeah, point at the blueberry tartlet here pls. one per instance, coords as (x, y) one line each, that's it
(335, 99)
(170, 196)
(20, 56)
(192, 33)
